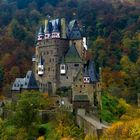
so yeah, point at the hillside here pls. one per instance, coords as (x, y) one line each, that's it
(133, 2)
(113, 31)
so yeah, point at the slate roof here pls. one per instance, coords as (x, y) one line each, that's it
(46, 29)
(52, 26)
(89, 71)
(81, 98)
(28, 82)
(18, 84)
(72, 55)
(41, 31)
(55, 25)
(71, 24)
(73, 30)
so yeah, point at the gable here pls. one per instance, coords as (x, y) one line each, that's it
(29, 82)
(72, 55)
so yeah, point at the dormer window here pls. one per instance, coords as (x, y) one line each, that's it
(40, 70)
(56, 35)
(86, 80)
(47, 36)
(62, 69)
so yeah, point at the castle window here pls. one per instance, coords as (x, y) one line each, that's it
(67, 77)
(76, 65)
(63, 67)
(80, 91)
(48, 69)
(80, 86)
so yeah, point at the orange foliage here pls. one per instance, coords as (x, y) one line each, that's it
(45, 95)
(2, 97)
(112, 77)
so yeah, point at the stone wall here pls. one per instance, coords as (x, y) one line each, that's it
(90, 126)
(52, 52)
(80, 88)
(72, 70)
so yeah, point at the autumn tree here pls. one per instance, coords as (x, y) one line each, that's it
(131, 78)
(123, 130)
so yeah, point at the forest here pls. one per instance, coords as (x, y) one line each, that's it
(113, 31)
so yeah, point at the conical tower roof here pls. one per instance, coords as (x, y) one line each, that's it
(41, 32)
(72, 55)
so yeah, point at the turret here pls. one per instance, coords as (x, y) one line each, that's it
(55, 31)
(40, 34)
(47, 29)
(63, 28)
(73, 31)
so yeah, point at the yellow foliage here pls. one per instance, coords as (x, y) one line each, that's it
(41, 138)
(62, 130)
(45, 95)
(124, 130)
(123, 103)
(2, 97)
(90, 137)
(131, 113)
(67, 138)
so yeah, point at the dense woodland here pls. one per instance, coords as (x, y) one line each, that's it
(113, 30)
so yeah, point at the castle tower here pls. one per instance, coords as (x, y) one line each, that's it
(63, 28)
(75, 37)
(60, 56)
(55, 31)
(47, 29)
(40, 34)
(49, 53)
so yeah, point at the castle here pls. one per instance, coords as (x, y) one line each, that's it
(62, 60)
